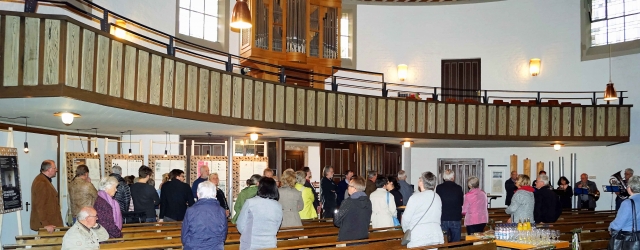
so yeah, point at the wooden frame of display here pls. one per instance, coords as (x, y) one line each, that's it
(76, 155)
(6, 151)
(236, 170)
(108, 158)
(193, 165)
(153, 158)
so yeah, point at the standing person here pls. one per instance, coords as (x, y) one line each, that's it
(625, 195)
(371, 182)
(176, 197)
(247, 193)
(355, 214)
(328, 193)
(290, 200)
(222, 199)
(534, 185)
(342, 187)
(566, 192)
(260, 217)
(624, 220)
(422, 215)
(394, 188)
(316, 201)
(204, 176)
(309, 211)
(123, 193)
(87, 234)
(383, 207)
(474, 208)
(586, 191)
(108, 209)
(82, 193)
(209, 233)
(45, 211)
(523, 201)
(547, 207)
(144, 196)
(452, 199)
(510, 187)
(406, 189)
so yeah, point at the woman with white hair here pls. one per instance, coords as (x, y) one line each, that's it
(308, 211)
(622, 225)
(107, 208)
(474, 207)
(422, 215)
(205, 223)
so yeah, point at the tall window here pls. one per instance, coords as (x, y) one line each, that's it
(614, 21)
(345, 36)
(348, 36)
(199, 19)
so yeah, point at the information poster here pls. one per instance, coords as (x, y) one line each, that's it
(249, 168)
(496, 182)
(164, 167)
(129, 167)
(11, 194)
(219, 167)
(94, 169)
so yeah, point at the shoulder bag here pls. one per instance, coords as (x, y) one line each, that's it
(624, 240)
(407, 235)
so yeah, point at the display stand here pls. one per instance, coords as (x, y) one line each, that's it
(92, 161)
(217, 164)
(161, 165)
(612, 190)
(243, 168)
(129, 164)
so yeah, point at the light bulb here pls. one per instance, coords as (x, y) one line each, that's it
(253, 136)
(407, 144)
(130, 154)
(67, 118)
(95, 151)
(557, 146)
(165, 153)
(26, 147)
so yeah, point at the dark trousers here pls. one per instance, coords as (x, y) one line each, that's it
(585, 205)
(618, 202)
(477, 228)
(452, 229)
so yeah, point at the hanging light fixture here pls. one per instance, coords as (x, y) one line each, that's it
(130, 154)
(166, 139)
(67, 117)
(95, 150)
(407, 144)
(26, 144)
(254, 136)
(208, 151)
(557, 146)
(610, 93)
(241, 15)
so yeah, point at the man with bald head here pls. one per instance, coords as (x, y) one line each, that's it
(204, 176)
(87, 233)
(45, 211)
(586, 191)
(510, 187)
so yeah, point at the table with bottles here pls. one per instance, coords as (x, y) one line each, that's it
(523, 235)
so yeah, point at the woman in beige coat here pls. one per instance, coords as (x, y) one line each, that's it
(383, 207)
(290, 200)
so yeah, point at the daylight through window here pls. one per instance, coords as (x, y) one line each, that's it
(614, 21)
(199, 19)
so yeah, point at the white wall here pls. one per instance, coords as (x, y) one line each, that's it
(314, 163)
(505, 35)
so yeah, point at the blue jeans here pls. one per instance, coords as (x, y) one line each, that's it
(453, 230)
(150, 220)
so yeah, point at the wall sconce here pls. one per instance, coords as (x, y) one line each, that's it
(534, 66)
(67, 117)
(407, 144)
(557, 146)
(120, 33)
(402, 72)
(254, 136)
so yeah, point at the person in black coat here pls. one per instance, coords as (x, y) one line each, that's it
(354, 215)
(342, 187)
(328, 193)
(316, 201)
(175, 197)
(510, 187)
(547, 206)
(452, 199)
(565, 192)
(220, 197)
(394, 188)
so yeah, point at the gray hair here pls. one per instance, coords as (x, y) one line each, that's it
(301, 177)
(116, 170)
(544, 179)
(371, 174)
(629, 170)
(204, 166)
(448, 175)
(207, 190)
(325, 170)
(428, 180)
(107, 183)
(46, 165)
(634, 184)
(82, 215)
(473, 182)
(402, 175)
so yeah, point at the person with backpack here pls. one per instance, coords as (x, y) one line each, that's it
(547, 204)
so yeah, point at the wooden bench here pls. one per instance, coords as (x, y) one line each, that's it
(395, 244)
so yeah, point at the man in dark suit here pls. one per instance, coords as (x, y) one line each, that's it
(343, 186)
(452, 198)
(547, 207)
(328, 193)
(175, 197)
(587, 191)
(510, 187)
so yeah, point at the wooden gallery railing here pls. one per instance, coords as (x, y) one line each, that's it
(57, 56)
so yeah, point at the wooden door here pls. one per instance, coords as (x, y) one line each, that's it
(460, 79)
(293, 159)
(463, 169)
(339, 155)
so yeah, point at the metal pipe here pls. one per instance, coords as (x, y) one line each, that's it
(230, 179)
(551, 173)
(575, 173)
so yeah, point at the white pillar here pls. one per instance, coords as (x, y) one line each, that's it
(406, 162)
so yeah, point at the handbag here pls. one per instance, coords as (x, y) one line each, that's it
(625, 240)
(407, 235)
(396, 222)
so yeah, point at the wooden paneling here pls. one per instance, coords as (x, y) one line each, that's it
(32, 52)
(471, 119)
(72, 58)
(351, 115)
(391, 115)
(589, 121)
(401, 116)
(624, 121)
(544, 121)
(492, 126)
(290, 107)
(322, 111)
(441, 117)
(342, 109)
(422, 116)
(247, 112)
(382, 112)
(143, 76)
(86, 67)
(577, 121)
(362, 112)
(102, 65)
(115, 72)
(300, 106)
(192, 88)
(431, 118)
(129, 72)
(555, 121)
(311, 107)
(215, 93)
(461, 119)
(482, 119)
(612, 121)
(11, 50)
(225, 103)
(331, 110)
(460, 79)
(566, 121)
(600, 118)
(168, 78)
(513, 120)
(203, 91)
(411, 116)
(371, 113)
(524, 120)
(258, 106)
(535, 119)
(269, 102)
(279, 108)
(451, 118)
(51, 67)
(236, 99)
(502, 120)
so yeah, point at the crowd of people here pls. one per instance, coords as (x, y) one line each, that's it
(267, 205)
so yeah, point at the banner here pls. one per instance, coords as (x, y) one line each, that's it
(10, 179)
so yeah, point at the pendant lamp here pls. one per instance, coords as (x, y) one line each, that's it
(610, 93)
(241, 16)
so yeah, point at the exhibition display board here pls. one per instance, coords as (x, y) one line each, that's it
(92, 161)
(163, 165)
(243, 168)
(10, 182)
(217, 164)
(129, 164)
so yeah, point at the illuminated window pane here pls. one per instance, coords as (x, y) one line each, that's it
(632, 27)
(185, 3)
(599, 33)
(615, 8)
(183, 25)
(344, 47)
(196, 27)
(616, 30)
(210, 28)
(211, 8)
(598, 10)
(344, 24)
(631, 7)
(197, 5)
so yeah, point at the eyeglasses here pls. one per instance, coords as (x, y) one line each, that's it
(96, 216)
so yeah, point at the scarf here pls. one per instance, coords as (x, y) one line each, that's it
(526, 188)
(117, 216)
(357, 195)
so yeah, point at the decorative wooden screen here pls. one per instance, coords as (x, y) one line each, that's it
(463, 168)
(461, 79)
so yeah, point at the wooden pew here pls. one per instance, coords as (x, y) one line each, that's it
(395, 244)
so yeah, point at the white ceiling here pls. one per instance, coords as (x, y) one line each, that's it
(111, 121)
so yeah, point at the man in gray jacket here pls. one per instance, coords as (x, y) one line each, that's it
(87, 234)
(406, 189)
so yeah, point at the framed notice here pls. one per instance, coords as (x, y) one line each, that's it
(497, 181)
(129, 164)
(243, 168)
(163, 165)
(90, 160)
(10, 181)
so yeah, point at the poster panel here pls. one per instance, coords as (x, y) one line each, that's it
(10, 180)
(165, 166)
(94, 169)
(129, 166)
(219, 167)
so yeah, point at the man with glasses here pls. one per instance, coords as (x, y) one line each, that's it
(87, 234)
(46, 209)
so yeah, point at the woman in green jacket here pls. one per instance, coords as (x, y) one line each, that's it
(246, 193)
(308, 212)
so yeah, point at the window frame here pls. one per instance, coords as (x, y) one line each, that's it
(351, 11)
(223, 28)
(599, 52)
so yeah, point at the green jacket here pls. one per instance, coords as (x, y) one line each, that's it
(246, 193)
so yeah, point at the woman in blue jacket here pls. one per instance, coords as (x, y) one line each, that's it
(205, 223)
